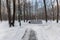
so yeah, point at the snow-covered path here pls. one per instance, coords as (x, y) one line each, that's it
(45, 31)
(30, 35)
(13, 33)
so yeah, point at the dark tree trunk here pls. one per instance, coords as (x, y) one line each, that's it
(24, 8)
(27, 14)
(29, 11)
(45, 9)
(53, 11)
(57, 10)
(13, 12)
(19, 12)
(0, 11)
(9, 12)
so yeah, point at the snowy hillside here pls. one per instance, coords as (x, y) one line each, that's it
(44, 31)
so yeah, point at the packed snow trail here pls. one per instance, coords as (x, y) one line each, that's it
(32, 35)
(29, 35)
(13, 33)
(26, 35)
(44, 31)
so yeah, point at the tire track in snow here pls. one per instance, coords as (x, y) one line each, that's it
(32, 35)
(29, 35)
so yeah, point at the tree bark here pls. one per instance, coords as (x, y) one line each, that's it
(0, 11)
(45, 9)
(24, 8)
(29, 11)
(36, 7)
(9, 12)
(19, 12)
(52, 9)
(13, 12)
(57, 10)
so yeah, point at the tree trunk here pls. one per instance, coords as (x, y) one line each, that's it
(13, 12)
(45, 9)
(24, 8)
(57, 10)
(19, 12)
(9, 12)
(29, 11)
(36, 7)
(27, 14)
(0, 11)
(53, 11)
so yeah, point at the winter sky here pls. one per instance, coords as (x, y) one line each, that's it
(48, 2)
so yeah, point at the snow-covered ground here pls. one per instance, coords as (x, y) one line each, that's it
(44, 31)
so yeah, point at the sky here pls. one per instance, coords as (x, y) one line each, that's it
(40, 2)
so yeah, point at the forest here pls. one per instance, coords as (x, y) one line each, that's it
(29, 10)
(29, 19)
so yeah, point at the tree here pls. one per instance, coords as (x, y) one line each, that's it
(29, 10)
(0, 11)
(8, 11)
(52, 9)
(13, 12)
(32, 9)
(45, 9)
(36, 7)
(19, 12)
(57, 10)
(24, 8)
(27, 14)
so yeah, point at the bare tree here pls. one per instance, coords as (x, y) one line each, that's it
(0, 11)
(24, 8)
(27, 14)
(52, 10)
(13, 12)
(57, 10)
(36, 7)
(8, 11)
(32, 10)
(45, 9)
(29, 10)
(19, 12)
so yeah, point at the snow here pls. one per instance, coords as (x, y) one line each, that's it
(13, 33)
(44, 31)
